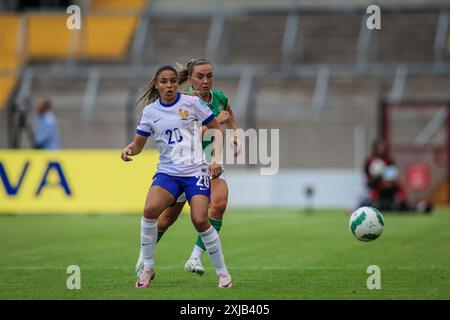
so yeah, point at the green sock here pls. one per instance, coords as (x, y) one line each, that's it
(160, 234)
(217, 224)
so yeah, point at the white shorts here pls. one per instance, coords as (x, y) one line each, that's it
(182, 198)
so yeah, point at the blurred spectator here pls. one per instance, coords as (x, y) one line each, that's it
(375, 164)
(309, 195)
(389, 194)
(374, 167)
(384, 189)
(47, 131)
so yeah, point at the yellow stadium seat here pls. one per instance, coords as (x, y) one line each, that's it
(48, 36)
(108, 36)
(9, 31)
(9, 62)
(10, 58)
(118, 5)
(100, 37)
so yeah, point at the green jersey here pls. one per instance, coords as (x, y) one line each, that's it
(218, 103)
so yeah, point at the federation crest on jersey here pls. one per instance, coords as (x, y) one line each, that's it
(184, 114)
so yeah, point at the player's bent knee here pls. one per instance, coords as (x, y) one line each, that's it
(200, 223)
(151, 212)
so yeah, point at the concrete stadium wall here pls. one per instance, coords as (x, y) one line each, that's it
(334, 188)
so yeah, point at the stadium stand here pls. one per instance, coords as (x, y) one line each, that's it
(169, 39)
(107, 35)
(45, 37)
(118, 5)
(309, 68)
(431, 87)
(411, 34)
(328, 38)
(250, 39)
(10, 59)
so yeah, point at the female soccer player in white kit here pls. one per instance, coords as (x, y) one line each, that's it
(200, 75)
(174, 119)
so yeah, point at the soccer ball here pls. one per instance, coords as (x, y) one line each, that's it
(366, 223)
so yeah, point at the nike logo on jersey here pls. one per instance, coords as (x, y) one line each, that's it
(156, 120)
(203, 188)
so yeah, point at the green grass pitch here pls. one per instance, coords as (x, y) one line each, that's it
(271, 254)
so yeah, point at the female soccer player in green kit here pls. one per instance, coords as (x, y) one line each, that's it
(200, 75)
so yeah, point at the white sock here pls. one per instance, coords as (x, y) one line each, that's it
(149, 234)
(197, 252)
(213, 245)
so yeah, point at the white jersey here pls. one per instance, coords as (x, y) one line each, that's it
(175, 128)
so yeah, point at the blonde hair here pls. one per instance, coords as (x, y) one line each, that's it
(184, 71)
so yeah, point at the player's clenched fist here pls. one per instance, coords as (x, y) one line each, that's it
(214, 170)
(224, 117)
(126, 154)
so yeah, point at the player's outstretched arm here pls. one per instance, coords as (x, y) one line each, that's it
(133, 148)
